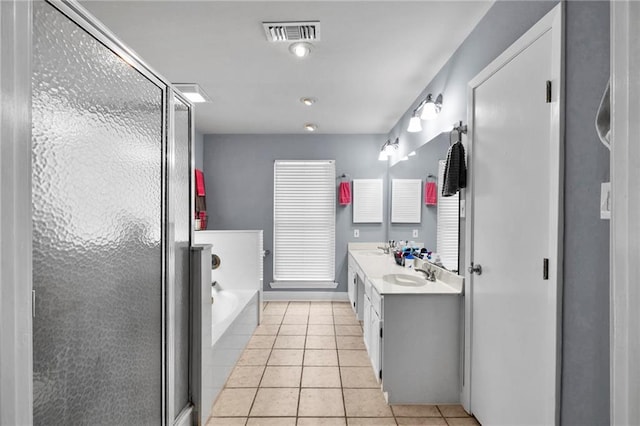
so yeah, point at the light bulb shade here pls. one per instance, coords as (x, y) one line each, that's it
(405, 158)
(382, 156)
(389, 150)
(414, 125)
(429, 111)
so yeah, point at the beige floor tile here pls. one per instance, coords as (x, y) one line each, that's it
(272, 319)
(266, 329)
(365, 403)
(348, 330)
(371, 421)
(347, 312)
(286, 357)
(289, 342)
(320, 330)
(275, 402)
(320, 377)
(345, 319)
(245, 377)
(424, 421)
(320, 357)
(295, 319)
(274, 310)
(320, 310)
(321, 319)
(281, 377)
(254, 357)
(453, 410)
(226, 421)
(293, 330)
(298, 309)
(271, 421)
(415, 411)
(321, 421)
(358, 377)
(278, 303)
(353, 358)
(261, 342)
(320, 342)
(321, 403)
(462, 421)
(350, 342)
(233, 402)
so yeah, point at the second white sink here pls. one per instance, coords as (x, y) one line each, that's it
(404, 280)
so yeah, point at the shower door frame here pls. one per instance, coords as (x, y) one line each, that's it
(16, 358)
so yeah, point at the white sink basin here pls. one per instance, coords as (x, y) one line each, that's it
(374, 253)
(404, 280)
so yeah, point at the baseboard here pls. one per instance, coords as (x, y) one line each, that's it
(282, 296)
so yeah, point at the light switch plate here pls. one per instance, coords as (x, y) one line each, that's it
(605, 200)
(356, 233)
(414, 234)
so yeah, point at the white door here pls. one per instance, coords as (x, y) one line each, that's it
(515, 173)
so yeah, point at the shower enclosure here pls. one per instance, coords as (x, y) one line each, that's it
(111, 184)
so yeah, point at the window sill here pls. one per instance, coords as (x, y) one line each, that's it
(303, 285)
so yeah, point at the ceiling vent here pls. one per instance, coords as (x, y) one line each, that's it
(292, 31)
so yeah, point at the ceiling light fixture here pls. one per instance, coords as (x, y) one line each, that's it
(310, 127)
(300, 49)
(308, 101)
(415, 125)
(193, 92)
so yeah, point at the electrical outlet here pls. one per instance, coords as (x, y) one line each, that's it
(356, 233)
(414, 234)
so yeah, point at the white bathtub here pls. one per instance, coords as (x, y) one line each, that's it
(225, 307)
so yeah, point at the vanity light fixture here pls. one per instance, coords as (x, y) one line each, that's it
(310, 127)
(428, 109)
(388, 149)
(405, 158)
(300, 49)
(192, 91)
(412, 153)
(431, 108)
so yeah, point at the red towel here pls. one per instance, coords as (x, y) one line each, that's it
(430, 194)
(199, 183)
(345, 193)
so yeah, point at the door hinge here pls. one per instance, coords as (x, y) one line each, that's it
(545, 269)
(381, 333)
(548, 91)
(379, 374)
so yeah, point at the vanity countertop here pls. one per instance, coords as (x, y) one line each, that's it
(375, 264)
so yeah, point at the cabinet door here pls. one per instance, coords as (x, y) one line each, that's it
(376, 343)
(351, 286)
(367, 322)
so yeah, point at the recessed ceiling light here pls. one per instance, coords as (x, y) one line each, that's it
(300, 49)
(193, 92)
(310, 127)
(308, 101)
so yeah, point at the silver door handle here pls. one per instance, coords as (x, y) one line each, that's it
(475, 269)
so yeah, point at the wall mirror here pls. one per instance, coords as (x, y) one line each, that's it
(439, 227)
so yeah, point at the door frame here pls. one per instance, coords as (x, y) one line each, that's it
(553, 22)
(625, 214)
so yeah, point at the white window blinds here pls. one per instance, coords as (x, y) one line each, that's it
(304, 210)
(448, 224)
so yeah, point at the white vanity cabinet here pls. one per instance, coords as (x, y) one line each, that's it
(352, 282)
(374, 325)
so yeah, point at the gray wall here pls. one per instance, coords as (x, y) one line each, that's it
(198, 148)
(239, 180)
(585, 368)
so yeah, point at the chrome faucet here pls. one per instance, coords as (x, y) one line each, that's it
(430, 275)
(385, 249)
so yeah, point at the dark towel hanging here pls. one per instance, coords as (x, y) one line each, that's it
(455, 170)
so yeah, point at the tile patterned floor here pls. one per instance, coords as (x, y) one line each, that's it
(306, 365)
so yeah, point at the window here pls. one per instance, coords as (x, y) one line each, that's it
(448, 224)
(304, 211)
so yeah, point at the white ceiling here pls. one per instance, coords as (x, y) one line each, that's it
(374, 58)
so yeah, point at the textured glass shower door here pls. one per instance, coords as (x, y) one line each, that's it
(98, 165)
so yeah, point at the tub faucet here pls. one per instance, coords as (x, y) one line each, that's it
(430, 275)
